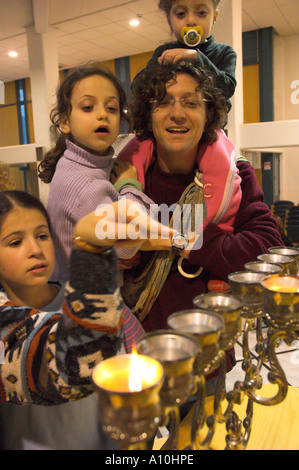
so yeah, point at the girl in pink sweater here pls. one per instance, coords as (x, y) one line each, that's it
(90, 106)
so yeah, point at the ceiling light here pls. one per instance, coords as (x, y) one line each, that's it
(13, 54)
(135, 22)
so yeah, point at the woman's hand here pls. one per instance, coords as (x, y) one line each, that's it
(123, 224)
(172, 56)
(123, 170)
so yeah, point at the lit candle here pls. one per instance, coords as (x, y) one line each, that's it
(127, 373)
(284, 289)
(282, 284)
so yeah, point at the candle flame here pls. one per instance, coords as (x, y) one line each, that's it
(135, 377)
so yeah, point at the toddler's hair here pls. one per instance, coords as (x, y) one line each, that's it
(63, 109)
(12, 199)
(165, 5)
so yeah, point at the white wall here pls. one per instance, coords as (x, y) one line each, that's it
(286, 107)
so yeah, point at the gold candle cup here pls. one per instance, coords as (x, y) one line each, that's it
(129, 417)
(292, 252)
(206, 327)
(247, 286)
(176, 352)
(281, 301)
(281, 260)
(229, 307)
(263, 268)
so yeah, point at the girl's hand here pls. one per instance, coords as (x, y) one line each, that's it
(123, 170)
(123, 224)
(172, 56)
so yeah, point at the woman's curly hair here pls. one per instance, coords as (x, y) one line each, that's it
(152, 86)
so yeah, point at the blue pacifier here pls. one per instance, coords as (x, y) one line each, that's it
(192, 36)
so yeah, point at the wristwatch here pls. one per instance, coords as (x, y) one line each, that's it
(179, 242)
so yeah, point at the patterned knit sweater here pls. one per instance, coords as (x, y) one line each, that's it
(49, 357)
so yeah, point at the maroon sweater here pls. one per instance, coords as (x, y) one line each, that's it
(221, 253)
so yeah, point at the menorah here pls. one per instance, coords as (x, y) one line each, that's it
(142, 391)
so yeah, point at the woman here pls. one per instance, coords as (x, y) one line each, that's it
(178, 135)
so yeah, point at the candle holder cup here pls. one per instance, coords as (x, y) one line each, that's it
(229, 307)
(130, 418)
(281, 260)
(247, 286)
(281, 308)
(207, 328)
(281, 301)
(262, 267)
(176, 352)
(290, 252)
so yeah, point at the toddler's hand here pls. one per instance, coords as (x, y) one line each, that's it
(123, 170)
(172, 56)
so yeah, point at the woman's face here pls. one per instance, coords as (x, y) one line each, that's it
(27, 257)
(177, 128)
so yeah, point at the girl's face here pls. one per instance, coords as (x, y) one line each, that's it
(188, 13)
(95, 117)
(27, 255)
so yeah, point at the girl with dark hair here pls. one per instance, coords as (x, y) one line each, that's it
(27, 261)
(27, 255)
(90, 106)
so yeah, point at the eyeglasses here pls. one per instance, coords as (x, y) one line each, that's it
(190, 103)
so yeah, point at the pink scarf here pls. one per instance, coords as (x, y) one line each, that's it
(217, 163)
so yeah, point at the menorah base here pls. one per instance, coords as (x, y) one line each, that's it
(274, 428)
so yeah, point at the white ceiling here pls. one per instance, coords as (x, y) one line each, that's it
(99, 29)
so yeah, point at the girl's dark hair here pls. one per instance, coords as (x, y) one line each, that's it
(165, 5)
(63, 109)
(152, 86)
(11, 199)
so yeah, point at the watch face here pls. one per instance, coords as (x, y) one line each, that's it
(179, 242)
